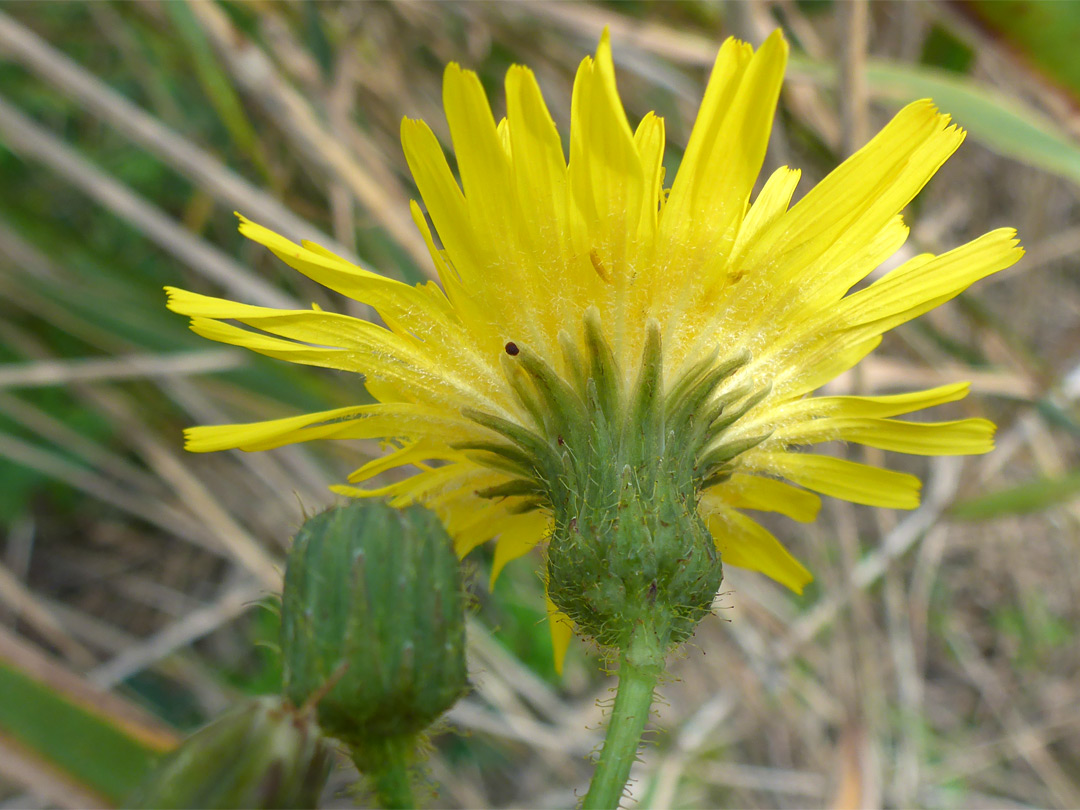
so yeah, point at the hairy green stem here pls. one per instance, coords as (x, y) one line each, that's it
(641, 664)
(386, 765)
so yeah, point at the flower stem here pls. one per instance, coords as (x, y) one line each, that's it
(387, 770)
(640, 667)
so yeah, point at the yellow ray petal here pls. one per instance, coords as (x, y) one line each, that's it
(784, 318)
(957, 438)
(840, 478)
(340, 341)
(535, 142)
(503, 130)
(434, 486)
(384, 391)
(373, 421)
(483, 163)
(743, 491)
(386, 295)
(857, 199)
(724, 81)
(442, 196)
(824, 361)
(476, 522)
(502, 286)
(477, 335)
(539, 173)
(797, 305)
(745, 543)
(874, 407)
(831, 341)
(414, 452)
(517, 537)
(325, 357)
(649, 140)
(710, 192)
(437, 258)
(539, 179)
(771, 203)
(314, 326)
(562, 630)
(923, 283)
(605, 173)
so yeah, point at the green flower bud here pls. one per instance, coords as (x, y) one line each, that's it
(262, 753)
(372, 623)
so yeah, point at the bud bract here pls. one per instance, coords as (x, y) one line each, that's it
(262, 753)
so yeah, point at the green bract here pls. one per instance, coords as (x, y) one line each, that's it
(621, 469)
(262, 753)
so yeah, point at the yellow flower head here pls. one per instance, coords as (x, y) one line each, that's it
(594, 328)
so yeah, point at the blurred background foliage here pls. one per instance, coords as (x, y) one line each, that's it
(932, 663)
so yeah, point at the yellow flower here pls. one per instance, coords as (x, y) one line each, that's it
(560, 280)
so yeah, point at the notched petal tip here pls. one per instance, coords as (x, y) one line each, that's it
(775, 47)
(246, 225)
(171, 296)
(186, 303)
(452, 69)
(1013, 239)
(986, 430)
(518, 77)
(260, 233)
(189, 440)
(209, 438)
(927, 109)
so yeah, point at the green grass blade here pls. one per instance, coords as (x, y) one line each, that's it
(95, 741)
(1046, 31)
(1032, 496)
(998, 122)
(217, 84)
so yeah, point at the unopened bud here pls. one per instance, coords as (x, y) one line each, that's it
(262, 753)
(373, 623)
